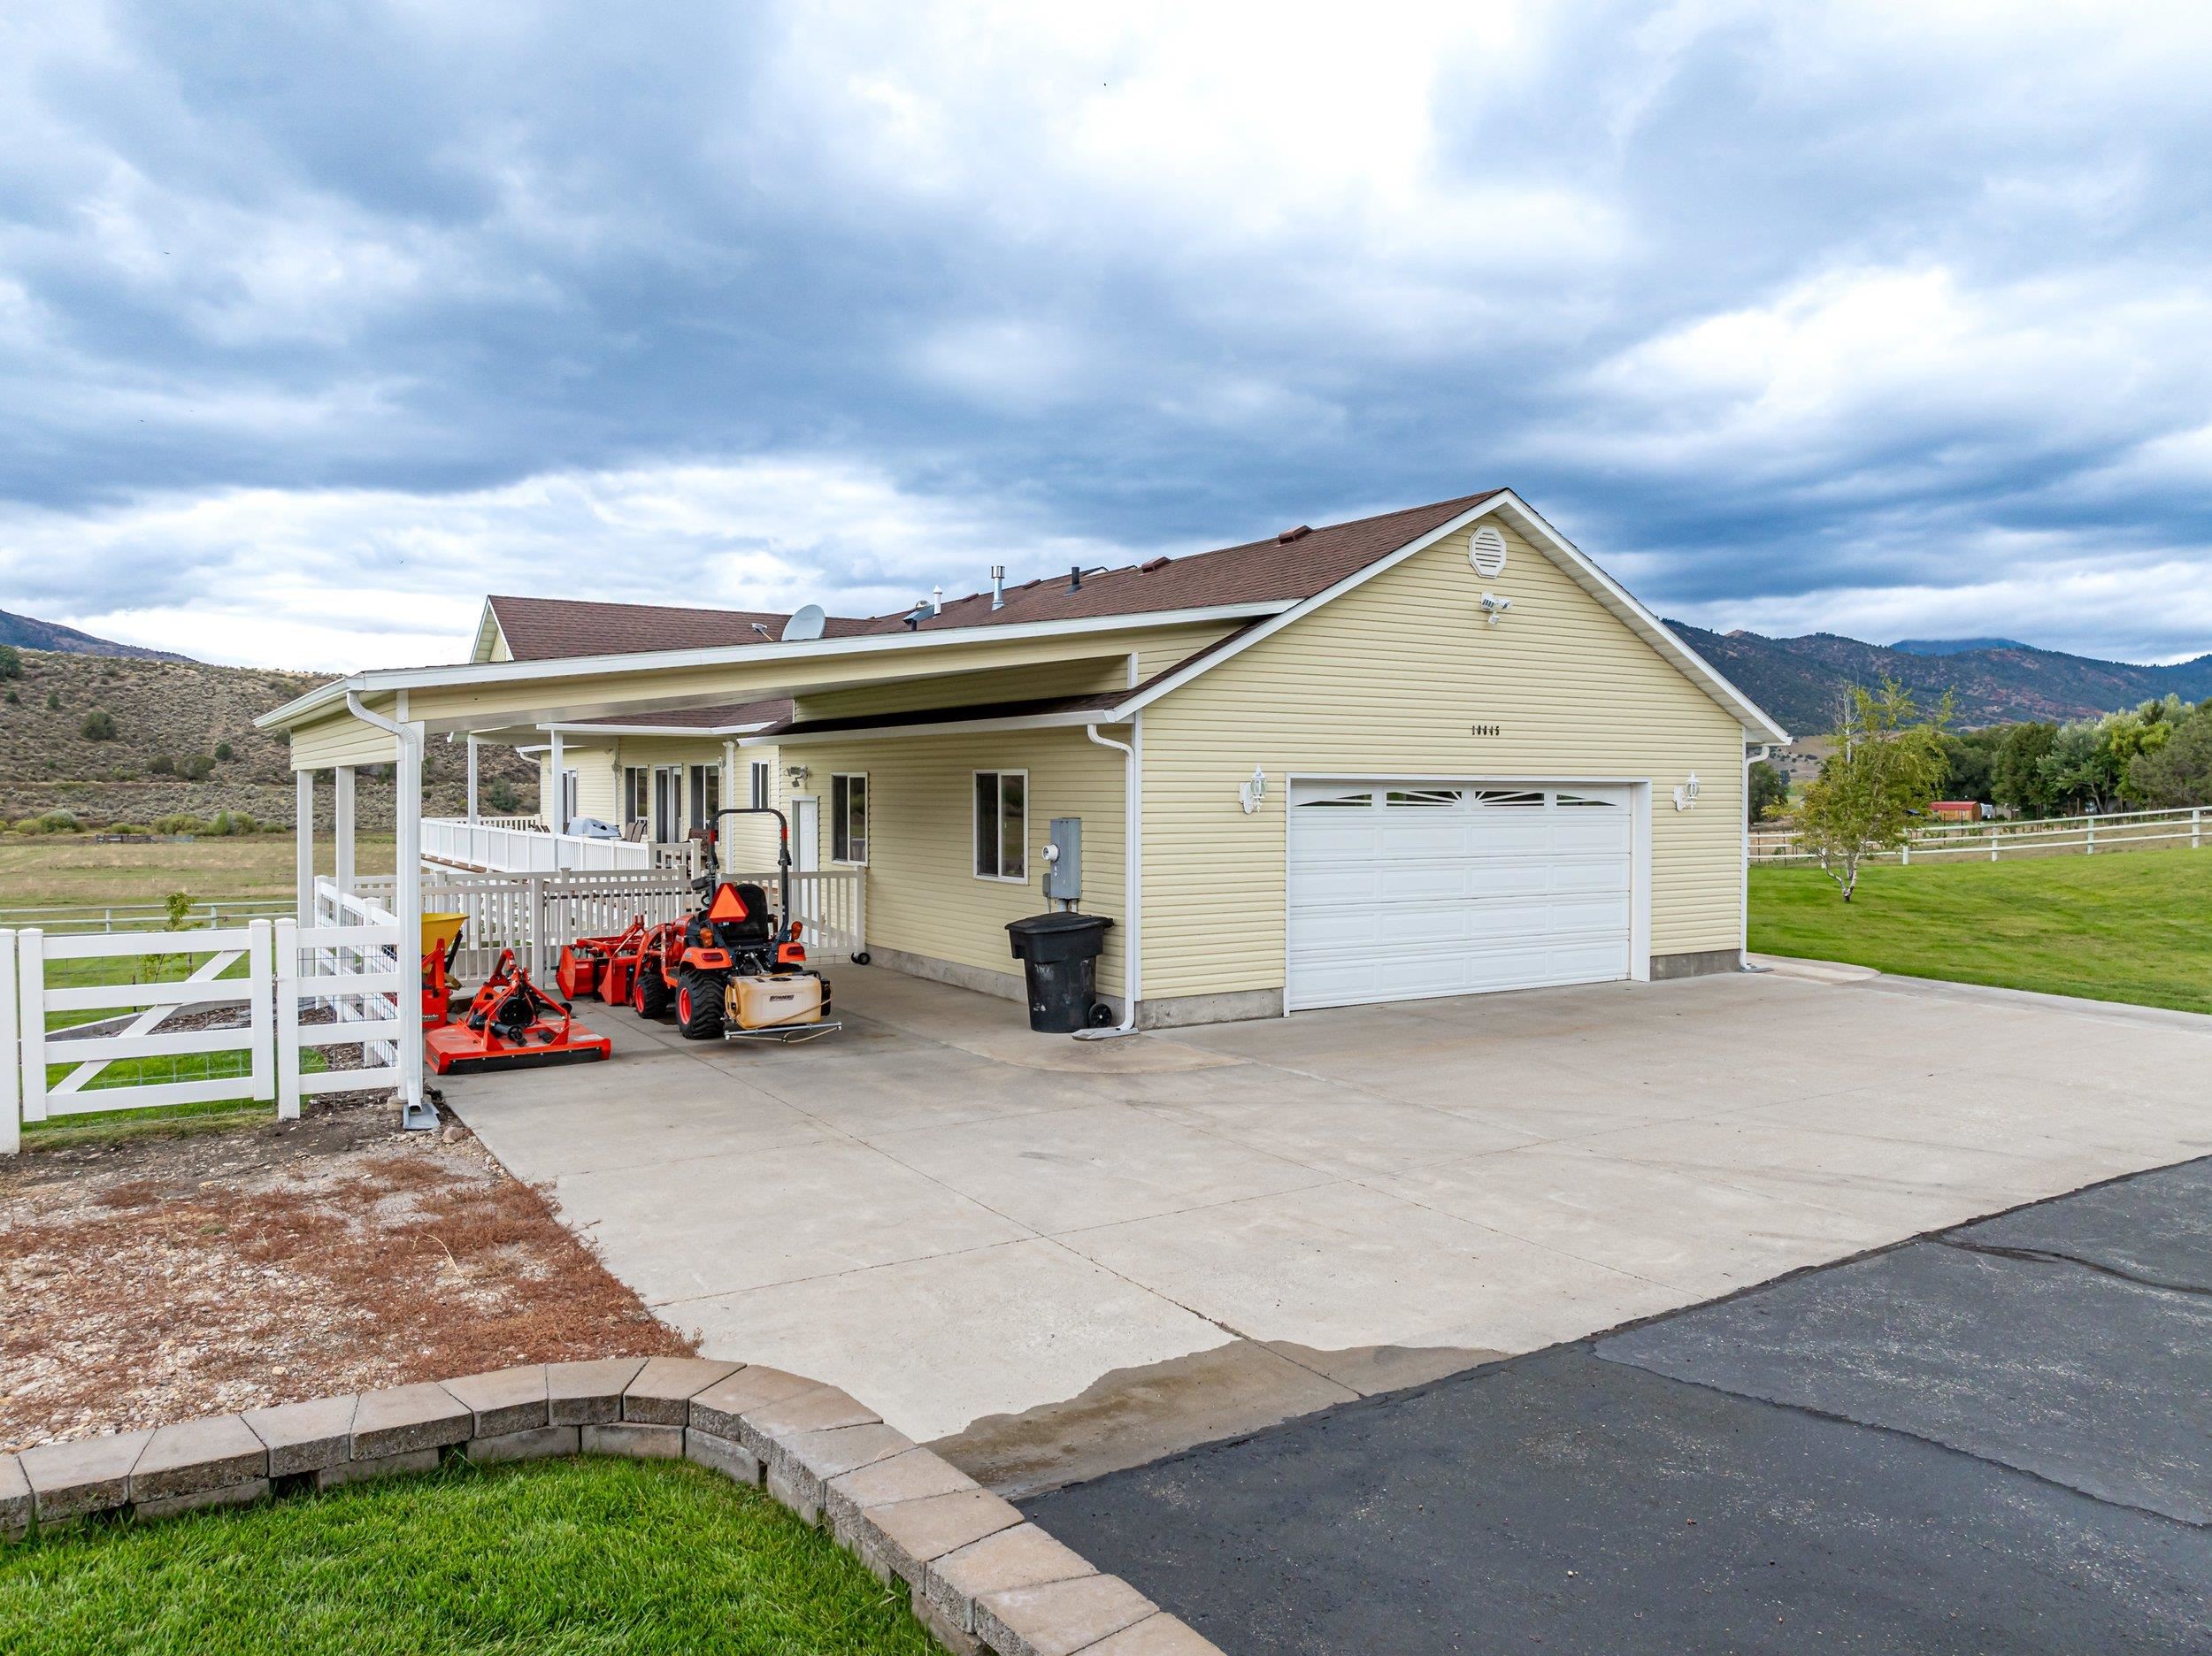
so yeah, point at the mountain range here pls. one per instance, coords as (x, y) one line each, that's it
(1799, 680)
(1992, 681)
(28, 632)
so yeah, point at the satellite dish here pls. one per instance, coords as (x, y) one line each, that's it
(807, 624)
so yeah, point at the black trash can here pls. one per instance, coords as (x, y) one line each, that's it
(1060, 951)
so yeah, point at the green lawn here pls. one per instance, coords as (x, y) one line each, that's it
(2136, 926)
(575, 1557)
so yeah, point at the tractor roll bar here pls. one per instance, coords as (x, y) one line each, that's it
(783, 851)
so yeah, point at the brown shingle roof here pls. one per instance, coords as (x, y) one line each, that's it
(549, 629)
(1260, 571)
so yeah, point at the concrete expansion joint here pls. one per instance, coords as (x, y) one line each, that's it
(2052, 1256)
(982, 1579)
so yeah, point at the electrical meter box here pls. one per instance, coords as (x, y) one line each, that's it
(1063, 860)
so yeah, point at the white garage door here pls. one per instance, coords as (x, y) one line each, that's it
(1399, 891)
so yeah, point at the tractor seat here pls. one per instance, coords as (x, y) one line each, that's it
(757, 926)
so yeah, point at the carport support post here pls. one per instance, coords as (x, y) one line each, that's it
(472, 810)
(560, 785)
(729, 797)
(407, 902)
(303, 842)
(341, 825)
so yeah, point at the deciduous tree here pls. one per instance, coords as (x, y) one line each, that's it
(1888, 765)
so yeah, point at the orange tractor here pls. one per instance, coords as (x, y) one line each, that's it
(735, 970)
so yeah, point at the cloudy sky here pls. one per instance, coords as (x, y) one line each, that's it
(318, 321)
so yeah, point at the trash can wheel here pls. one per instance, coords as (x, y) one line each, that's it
(1102, 1015)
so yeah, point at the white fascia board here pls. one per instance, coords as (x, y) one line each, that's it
(1586, 574)
(487, 629)
(386, 680)
(945, 727)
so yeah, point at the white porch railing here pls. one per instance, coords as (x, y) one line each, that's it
(90, 1021)
(518, 844)
(1991, 841)
(535, 914)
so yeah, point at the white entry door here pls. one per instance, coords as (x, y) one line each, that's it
(1404, 889)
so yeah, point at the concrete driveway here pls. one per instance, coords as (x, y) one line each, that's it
(1061, 1257)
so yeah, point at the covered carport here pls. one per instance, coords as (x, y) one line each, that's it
(387, 716)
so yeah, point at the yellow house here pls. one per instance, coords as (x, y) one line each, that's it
(1435, 752)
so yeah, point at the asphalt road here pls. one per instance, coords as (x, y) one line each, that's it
(1998, 1438)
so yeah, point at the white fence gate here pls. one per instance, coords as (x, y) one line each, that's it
(98, 1022)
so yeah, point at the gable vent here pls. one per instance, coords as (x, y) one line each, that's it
(1485, 550)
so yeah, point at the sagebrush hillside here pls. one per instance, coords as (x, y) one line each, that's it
(184, 744)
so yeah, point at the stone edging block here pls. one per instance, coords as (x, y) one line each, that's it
(980, 1577)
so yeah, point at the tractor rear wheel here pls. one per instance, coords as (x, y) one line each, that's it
(649, 993)
(699, 1004)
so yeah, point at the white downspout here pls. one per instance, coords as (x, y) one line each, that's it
(1132, 878)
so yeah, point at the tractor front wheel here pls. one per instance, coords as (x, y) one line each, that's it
(699, 1004)
(649, 995)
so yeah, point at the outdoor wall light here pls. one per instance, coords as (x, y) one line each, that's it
(1494, 607)
(797, 776)
(1250, 793)
(1685, 795)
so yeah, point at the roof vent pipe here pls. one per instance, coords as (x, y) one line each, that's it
(1075, 577)
(936, 598)
(998, 586)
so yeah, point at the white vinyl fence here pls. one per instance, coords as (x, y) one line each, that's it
(510, 845)
(535, 914)
(131, 1019)
(1992, 842)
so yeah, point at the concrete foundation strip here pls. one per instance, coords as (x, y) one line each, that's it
(980, 1577)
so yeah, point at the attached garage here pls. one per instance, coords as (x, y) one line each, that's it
(1400, 890)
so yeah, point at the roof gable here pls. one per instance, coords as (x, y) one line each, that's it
(1610, 594)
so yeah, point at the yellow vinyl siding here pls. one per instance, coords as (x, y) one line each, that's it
(922, 895)
(342, 740)
(1388, 681)
(1169, 648)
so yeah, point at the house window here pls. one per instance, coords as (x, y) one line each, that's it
(635, 797)
(849, 818)
(760, 784)
(1002, 825)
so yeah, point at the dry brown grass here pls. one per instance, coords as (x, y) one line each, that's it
(159, 1280)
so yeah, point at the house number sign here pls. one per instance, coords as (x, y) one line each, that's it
(1487, 730)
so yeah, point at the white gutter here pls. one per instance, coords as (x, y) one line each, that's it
(943, 727)
(473, 674)
(1132, 879)
(714, 732)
